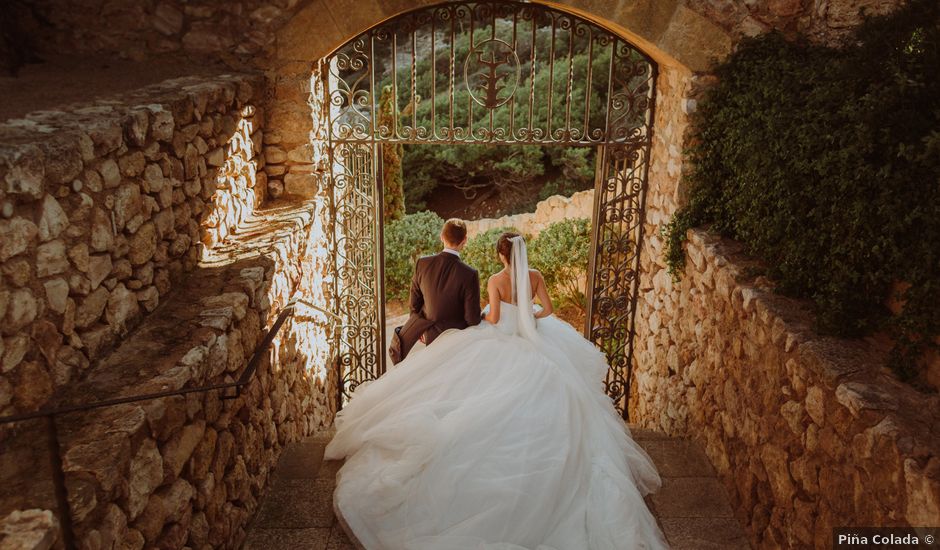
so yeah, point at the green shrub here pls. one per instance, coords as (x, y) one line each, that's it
(480, 253)
(825, 163)
(406, 240)
(561, 252)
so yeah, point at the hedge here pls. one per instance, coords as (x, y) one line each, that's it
(560, 252)
(825, 163)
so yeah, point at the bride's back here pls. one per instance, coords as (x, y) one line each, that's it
(503, 282)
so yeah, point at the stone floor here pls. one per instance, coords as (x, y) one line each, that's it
(692, 507)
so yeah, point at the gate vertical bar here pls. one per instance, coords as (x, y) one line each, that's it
(379, 163)
(599, 176)
(647, 146)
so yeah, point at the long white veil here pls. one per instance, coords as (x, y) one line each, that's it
(522, 289)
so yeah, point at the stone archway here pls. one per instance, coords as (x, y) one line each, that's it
(497, 73)
(301, 135)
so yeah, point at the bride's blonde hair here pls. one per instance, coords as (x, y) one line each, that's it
(504, 245)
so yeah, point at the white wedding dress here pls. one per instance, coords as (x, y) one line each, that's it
(494, 438)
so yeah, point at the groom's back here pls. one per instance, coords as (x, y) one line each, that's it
(446, 290)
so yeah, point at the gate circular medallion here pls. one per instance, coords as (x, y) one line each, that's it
(491, 73)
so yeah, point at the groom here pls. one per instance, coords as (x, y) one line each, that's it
(445, 294)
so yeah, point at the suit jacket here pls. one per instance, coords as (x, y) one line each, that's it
(445, 294)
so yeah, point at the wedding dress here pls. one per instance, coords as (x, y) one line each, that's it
(496, 437)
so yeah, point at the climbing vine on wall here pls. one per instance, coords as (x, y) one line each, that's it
(825, 163)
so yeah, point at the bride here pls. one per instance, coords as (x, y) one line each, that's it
(495, 437)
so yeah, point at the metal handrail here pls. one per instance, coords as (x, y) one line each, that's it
(68, 534)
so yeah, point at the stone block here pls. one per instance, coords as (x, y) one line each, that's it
(127, 204)
(143, 244)
(32, 529)
(146, 474)
(22, 308)
(57, 293)
(122, 306)
(152, 519)
(857, 396)
(16, 236)
(302, 185)
(180, 447)
(132, 164)
(274, 155)
(161, 128)
(102, 233)
(52, 219)
(25, 173)
(99, 267)
(91, 307)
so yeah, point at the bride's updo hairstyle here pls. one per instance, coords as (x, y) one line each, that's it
(504, 245)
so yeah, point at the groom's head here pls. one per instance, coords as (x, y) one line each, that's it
(454, 233)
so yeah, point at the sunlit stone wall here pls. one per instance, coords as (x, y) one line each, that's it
(103, 208)
(143, 213)
(807, 432)
(551, 210)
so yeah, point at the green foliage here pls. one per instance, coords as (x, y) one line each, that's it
(392, 179)
(826, 164)
(561, 252)
(468, 166)
(480, 253)
(577, 171)
(406, 240)
(474, 167)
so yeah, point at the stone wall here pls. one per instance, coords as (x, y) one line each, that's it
(295, 149)
(191, 470)
(265, 33)
(104, 207)
(136, 258)
(551, 210)
(807, 432)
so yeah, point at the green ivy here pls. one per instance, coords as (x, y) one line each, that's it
(825, 163)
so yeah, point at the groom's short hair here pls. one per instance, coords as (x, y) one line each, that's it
(455, 231)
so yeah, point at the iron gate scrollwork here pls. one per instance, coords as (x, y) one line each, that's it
(489, 72)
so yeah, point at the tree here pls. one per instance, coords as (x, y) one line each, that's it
(479, 169)
(392, 177)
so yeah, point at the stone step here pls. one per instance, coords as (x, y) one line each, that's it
(692, 507)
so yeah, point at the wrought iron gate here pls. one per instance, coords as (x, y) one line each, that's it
(489, 72)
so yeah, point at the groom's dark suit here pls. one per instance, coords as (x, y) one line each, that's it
(445, 294)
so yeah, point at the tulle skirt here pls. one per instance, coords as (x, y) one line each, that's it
(484, 440)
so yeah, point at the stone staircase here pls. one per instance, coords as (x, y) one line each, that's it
(297, 512)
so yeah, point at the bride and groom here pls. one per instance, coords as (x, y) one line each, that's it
(499, 436)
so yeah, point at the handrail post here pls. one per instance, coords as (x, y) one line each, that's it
(58, 480)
